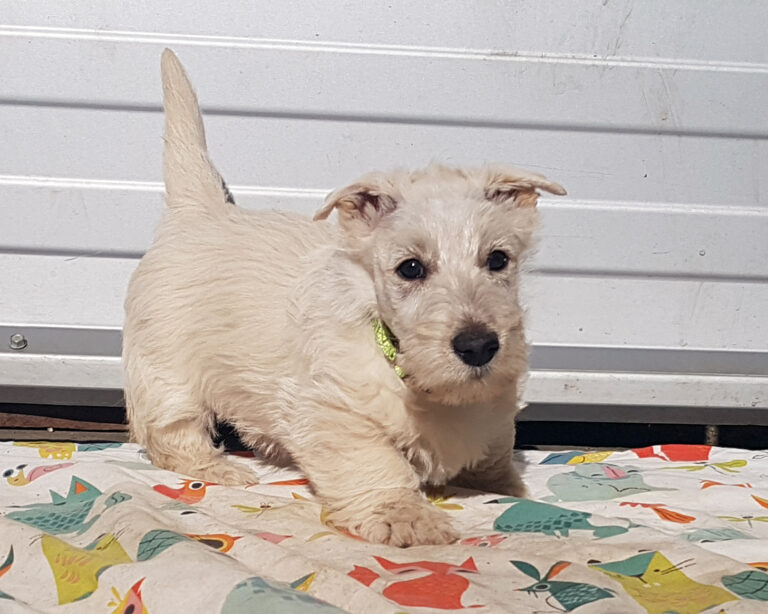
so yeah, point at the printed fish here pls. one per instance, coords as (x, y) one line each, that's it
(526, 516)
(76, 570)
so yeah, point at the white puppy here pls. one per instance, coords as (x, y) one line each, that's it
(379, 354)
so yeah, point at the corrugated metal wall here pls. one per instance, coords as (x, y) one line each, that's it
(650, 286)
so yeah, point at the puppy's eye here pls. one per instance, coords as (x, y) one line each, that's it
(497, 261)
(411, 269)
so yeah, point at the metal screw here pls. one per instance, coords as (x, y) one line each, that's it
(18, 342)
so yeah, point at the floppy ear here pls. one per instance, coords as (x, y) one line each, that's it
(515, 185)
(362, 204)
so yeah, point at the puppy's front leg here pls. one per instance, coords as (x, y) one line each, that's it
(367, 485)
(495, 474)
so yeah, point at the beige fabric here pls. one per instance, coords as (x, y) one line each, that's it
(96, 528)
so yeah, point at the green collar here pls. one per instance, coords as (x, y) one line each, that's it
(386, 342)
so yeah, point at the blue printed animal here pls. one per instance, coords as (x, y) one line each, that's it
(598, 481)
(526, 516)
(66, 514)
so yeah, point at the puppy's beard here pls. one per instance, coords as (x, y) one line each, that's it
(436, 372)
(456, 383)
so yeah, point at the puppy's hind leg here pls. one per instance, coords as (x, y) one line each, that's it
(176, 434)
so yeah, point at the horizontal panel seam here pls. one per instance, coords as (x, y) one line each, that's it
(100, 35)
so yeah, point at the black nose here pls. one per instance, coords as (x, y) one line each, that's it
(476, 346)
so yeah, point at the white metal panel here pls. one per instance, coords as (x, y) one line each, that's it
(661, 140)
(98, 217)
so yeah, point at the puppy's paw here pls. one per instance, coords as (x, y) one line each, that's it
(512, 487)
(228, 473)
(409, 521)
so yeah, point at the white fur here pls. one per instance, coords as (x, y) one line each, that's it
(263, 320)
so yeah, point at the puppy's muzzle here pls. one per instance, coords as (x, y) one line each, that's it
(476, 346)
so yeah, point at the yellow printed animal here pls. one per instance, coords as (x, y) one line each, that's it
(659, 586)
(76, 570)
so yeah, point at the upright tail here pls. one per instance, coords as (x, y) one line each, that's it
(191, 180)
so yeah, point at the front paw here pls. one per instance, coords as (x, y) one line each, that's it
(406, 519)
(512, 486)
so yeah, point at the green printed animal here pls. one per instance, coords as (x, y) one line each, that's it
(714, 535)
(567, 595)
(526, 516)
(598, 481)
(750, 584)
(257, 596)
(66, 514)
(157, 541)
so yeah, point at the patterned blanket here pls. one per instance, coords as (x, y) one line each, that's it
(97, 528)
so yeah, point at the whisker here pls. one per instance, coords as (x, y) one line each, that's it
(678, 567)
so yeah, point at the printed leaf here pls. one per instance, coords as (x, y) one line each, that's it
(528, 569)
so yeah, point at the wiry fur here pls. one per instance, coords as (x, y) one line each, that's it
(263, 320)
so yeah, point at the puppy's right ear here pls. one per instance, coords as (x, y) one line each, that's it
(362, 204)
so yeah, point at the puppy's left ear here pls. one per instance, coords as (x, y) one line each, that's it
(362, 204)
(507, 184)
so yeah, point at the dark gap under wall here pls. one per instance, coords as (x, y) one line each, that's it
(605, 434)
(23, 418)
(747, 437)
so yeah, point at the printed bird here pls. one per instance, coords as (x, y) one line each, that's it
(190, 491)
(131, 603)
(7, 564)
(63, 514)
(5, 567)
(567, 595)
(218, 541)
(486, 541)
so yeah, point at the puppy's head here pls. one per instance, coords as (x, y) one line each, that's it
(442, 247)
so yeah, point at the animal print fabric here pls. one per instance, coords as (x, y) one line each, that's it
(97, 528)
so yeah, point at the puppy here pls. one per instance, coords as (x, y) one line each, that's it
(379, 354)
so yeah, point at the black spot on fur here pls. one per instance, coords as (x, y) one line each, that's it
(229, 198)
